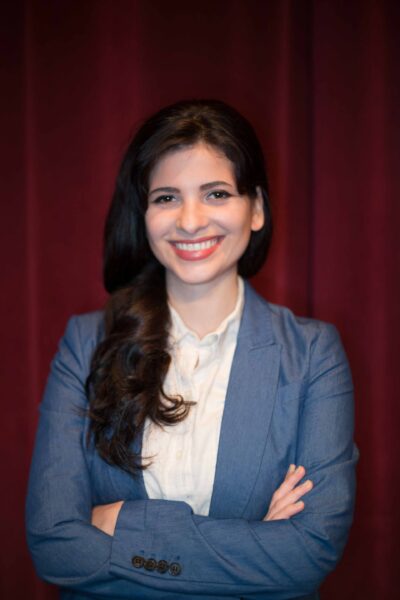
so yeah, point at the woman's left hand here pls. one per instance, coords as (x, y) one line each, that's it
(285, 502)
(104, 516)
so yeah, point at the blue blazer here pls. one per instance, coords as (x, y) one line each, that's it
(289, 400)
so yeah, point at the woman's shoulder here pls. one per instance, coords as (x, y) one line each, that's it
(289, 329)
(285, 320)
(308, 347)
(89, 324)
(83, 333)
(70, 366)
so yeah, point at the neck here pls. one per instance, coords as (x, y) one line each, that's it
(203, 307)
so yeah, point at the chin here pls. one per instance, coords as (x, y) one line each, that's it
(190, 277)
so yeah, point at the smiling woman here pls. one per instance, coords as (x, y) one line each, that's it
(178, 424)
(198, 225)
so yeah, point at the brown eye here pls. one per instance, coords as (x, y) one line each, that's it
(219, 195)
(165, 199)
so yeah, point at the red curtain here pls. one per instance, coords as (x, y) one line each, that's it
(320, 82)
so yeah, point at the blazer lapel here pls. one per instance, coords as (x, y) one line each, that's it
(248, 409)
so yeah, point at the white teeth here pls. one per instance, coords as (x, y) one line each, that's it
(194, 247)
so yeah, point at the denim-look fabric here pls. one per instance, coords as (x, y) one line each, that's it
(289, 400)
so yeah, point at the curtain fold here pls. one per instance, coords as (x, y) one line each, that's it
(319, 80)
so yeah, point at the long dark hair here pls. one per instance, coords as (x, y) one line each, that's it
(128, 368)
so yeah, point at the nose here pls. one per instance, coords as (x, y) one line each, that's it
(192, 217)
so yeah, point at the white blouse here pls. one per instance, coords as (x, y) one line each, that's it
(184, 455)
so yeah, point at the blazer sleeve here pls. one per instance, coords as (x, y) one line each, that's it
(216, 557)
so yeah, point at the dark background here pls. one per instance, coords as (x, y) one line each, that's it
(320, 82)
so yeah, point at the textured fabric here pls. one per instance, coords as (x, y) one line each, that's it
(185, 455)
(289, 400)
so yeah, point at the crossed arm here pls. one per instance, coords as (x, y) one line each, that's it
(285, 502)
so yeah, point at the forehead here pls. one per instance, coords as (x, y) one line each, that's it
(195, 163)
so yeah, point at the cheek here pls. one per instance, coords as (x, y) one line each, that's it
(240, 222)
(153, 227)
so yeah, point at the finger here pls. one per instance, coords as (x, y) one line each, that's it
(290, 470)
(293, 496)
(296, 493)
(290, 481)
(287, 512)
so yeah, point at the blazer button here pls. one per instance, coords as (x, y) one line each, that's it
(138, 562)
(150, 564)
(175, 569)
(162, 566)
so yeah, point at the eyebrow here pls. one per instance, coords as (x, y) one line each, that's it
(204, 187)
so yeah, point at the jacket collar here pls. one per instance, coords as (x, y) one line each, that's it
(256, 327)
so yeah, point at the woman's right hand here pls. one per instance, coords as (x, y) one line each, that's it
(286, 501)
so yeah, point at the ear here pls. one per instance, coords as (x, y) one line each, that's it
(257, 217)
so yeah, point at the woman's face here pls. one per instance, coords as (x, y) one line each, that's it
(198, 225)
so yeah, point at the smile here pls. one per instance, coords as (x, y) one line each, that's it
(196, 245)
(196, 250)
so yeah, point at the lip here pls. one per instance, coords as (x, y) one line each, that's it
(197, 249)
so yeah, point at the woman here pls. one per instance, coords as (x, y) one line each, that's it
(172, 424)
